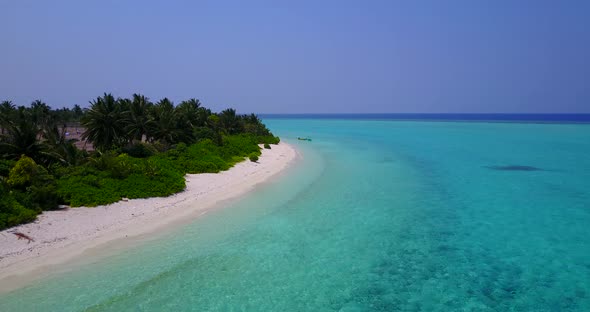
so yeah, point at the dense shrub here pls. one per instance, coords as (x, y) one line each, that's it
(32, 185)
(5, 166)
(123, 167)
(108, 177)
(12, 212)
(140, 150)
(239, 145)
(142, 178)
(141, 186)
(21, 175)
(206, 156)
(268, 139)
(266, 145)
(204, 133)
(103, 161)
(89, 190)
(44, 195)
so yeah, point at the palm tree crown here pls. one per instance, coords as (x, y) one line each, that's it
(104, 123)
(139, 122)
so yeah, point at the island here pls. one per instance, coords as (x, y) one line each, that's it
(139, 165)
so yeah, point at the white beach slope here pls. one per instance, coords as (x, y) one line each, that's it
(60, 236)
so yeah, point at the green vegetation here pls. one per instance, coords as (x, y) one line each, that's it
(141, 149)
(11, 211)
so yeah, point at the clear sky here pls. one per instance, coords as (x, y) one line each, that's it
(302, 56)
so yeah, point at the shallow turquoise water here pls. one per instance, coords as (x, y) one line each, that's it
(379, 216)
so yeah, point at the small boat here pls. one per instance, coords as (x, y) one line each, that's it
(304, 139)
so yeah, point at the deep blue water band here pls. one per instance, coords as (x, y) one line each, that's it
(532, 118)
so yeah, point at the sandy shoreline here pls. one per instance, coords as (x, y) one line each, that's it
(63, 235)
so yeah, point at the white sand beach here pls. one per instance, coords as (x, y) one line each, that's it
(60, 236)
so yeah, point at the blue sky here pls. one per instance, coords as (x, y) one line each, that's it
(302, 56)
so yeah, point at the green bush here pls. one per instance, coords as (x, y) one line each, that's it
(103, 162)
(124, 166)
(44, 196)
(21, 175)
(141, 186)
(150, 169)
(90, 190)
(5, 166)
(204, 133)
(266, 145)
(13, 213)
(140, 150)
(118, 167)
(159, 146)
(32, 185)
(239, 145)
(268, 139)
(155, 176)
(107, 177)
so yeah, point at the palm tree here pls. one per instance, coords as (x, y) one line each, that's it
(77, 112)
(139, 121)
(189, 117)
(165, 122)
(23, 138)
(253, 124)
(7, 110)
(61, 145)
(230, 121)
(214, 124)
(188, 112)
(41, 113)
(104, 123)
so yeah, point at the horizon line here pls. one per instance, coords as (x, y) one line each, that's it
(584, 113)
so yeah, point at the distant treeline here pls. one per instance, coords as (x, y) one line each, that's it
(140, 149)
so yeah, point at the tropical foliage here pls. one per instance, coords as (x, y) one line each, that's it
(139, 149)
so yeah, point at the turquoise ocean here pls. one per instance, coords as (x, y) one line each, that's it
(378, 215)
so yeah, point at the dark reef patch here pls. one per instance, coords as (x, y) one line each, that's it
(514, 168)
